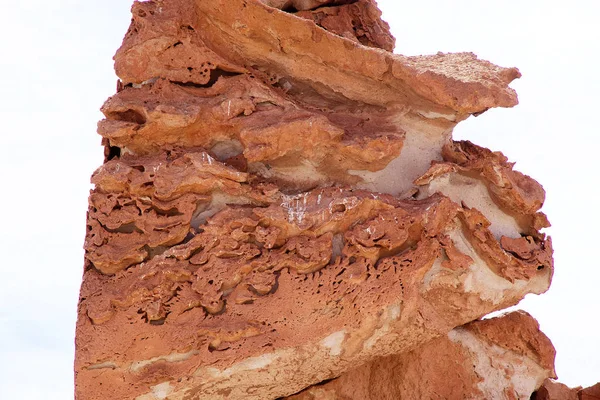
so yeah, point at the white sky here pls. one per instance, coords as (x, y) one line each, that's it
(56, 71)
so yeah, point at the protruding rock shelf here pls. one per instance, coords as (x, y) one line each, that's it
(282, 204)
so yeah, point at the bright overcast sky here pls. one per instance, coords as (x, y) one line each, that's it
(56, 71)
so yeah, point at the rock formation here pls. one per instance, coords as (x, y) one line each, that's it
(282, 204)
(501, 358)
(552, 390)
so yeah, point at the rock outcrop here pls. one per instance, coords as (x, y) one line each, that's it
(282, 202)
(552, 390)
(501, 358)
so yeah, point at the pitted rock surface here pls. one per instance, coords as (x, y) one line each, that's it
(282, 201)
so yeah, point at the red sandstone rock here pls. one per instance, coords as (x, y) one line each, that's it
(590, 393)
(359, 21)
(500, 358)
(552, 390)
(282, 201)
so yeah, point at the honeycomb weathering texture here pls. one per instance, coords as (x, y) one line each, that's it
(281, 202)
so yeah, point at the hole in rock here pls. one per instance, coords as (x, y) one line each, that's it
(337, 247)
(227, 149)
(126, 228)
(292, 9)
(215, 74)
(158, 321)
(338, 208)
(127, 116)
(143, 314)
(112, 152)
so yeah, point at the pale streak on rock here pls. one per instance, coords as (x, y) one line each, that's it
(281, 201)
(173, 357)
(503, 358)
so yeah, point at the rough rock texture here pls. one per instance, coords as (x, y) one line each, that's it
(552, 390)
(501, 358)
(282, 201)
(359, 21)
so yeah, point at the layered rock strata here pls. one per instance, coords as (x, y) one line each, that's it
(281, 201)
(500, 358)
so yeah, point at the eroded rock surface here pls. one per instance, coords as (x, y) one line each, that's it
(552, 390)
(501, 358)
(282, 201)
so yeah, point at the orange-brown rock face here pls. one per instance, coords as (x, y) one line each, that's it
(552, 390)
(282, 201)
(501, 358)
